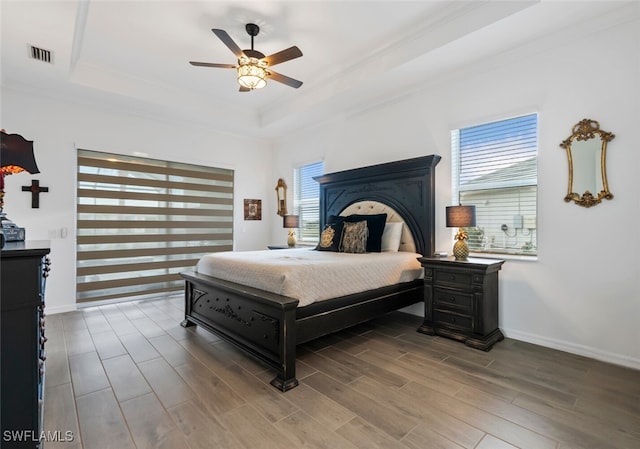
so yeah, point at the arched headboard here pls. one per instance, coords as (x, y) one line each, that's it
(407, 186)
(407, 243)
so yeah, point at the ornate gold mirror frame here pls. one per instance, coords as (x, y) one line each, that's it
(281, 194)
(587, 154)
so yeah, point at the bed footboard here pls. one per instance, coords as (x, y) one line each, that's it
(258, 322)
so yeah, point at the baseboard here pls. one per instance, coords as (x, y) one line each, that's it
(586, 351)
(52, 310)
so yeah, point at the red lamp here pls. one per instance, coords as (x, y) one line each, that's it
(16, 155)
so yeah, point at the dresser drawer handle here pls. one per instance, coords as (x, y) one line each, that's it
(453, 320)
(452, 299)
(452, 277)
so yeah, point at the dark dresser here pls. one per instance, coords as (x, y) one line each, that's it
(461, 300)
(24, 266)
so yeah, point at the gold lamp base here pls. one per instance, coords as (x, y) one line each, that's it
(460, 250)
(291, 240)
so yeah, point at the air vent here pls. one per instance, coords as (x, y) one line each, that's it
(40, 54)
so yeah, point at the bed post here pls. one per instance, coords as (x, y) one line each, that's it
(286, 377)
(187, 305)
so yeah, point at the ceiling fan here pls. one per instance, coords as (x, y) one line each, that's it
(253, 66)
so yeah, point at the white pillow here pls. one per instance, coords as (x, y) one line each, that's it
(391, 236)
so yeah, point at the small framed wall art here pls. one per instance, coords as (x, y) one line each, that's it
(252, 209)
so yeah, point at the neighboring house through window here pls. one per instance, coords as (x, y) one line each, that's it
(494, 167)
(306, 201)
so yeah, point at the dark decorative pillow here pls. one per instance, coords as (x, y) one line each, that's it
(330, 237)
(375, 226)
(354, 237)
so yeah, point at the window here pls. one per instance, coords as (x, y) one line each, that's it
(306, 201)
(142, 221)
(494, 168)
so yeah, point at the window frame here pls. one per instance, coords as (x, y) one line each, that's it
(515, 175)
(311, 205)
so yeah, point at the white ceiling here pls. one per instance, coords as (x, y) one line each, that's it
(133, 55)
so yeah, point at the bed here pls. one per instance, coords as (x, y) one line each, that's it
(269, 326)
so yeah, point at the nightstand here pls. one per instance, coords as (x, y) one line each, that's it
(461, 300)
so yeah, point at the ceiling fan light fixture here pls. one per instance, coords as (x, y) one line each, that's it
(252, 73)
(253, 66)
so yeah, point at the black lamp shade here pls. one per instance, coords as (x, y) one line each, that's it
(290, 221)
(461, 216)
(17, 152)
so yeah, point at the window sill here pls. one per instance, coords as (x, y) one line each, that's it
(505, 256)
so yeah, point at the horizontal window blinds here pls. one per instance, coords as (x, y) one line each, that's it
(142, 221)
(495, 169)
(307, 200)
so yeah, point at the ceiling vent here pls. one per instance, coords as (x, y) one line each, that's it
(40, 54)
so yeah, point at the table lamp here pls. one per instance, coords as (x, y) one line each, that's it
(16, 155)
(292, 222)
(461, 217)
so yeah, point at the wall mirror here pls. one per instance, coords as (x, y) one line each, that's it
(587, 155)
(281, 194)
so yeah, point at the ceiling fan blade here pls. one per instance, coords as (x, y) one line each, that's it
(226, 39)
(244, 89)
(213, 64)
(284, 79)
(282, 56)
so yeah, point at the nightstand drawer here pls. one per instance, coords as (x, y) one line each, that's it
(453, 299)
(453, 319)
(452, 278)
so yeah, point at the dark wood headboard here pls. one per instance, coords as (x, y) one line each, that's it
(407, 186)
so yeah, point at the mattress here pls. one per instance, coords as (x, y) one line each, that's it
(311, 276)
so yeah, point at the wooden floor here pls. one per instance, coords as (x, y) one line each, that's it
(128, 376)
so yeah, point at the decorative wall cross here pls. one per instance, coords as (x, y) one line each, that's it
(35, 190)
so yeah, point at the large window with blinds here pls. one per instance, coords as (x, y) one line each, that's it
(495, 168)
(141, 221)
(306, 201)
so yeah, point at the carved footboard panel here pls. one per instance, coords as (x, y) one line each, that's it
(259, 322)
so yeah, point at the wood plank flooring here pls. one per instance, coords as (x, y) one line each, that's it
(128, 376)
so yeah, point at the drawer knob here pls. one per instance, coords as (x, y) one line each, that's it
(452, 299)
(453, 320)
(452, 277)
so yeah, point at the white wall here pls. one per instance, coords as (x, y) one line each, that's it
(581, 293)
(58, 128)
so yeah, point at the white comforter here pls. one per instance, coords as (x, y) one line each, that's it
(309, 275)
